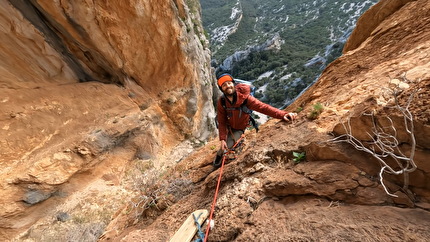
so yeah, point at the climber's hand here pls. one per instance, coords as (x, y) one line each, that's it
(223, 145)
(290, 117)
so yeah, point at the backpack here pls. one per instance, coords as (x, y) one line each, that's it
(251, 87)
(243, 107)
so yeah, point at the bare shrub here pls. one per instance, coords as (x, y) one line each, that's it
(155, 190)
(150, 190)
(383, 144)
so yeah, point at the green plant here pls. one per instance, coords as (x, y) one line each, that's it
(316, 111)
(299, 109)
(299, 157)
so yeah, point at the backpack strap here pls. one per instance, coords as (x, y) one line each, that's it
(233, 108)
(223, 102)
(245, 109)
(242, 108)
(253, 122)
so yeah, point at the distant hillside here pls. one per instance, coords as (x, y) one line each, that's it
(281, 44)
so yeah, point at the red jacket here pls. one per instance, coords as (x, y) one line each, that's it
(230, 118)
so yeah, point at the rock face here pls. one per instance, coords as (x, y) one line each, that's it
(391, 62)
(82, 79)
(72, 137)
(336, 193)
(370, 20)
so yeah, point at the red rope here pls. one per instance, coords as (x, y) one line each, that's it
(217, 187)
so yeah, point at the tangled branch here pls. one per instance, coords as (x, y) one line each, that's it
(383, 144)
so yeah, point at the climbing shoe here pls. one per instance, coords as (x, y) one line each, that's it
(217, 162)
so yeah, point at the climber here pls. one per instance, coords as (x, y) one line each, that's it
(233, 113)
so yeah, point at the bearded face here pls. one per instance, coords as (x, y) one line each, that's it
(228, 88)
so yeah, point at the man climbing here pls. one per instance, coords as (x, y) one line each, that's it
(233, 116)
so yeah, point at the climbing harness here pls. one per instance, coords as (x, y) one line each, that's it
(218, 184)
(237, 147)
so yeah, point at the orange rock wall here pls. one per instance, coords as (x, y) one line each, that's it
(370, 20)
(81, 79)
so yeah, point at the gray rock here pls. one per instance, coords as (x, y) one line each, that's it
(63, 216)
(35, 196)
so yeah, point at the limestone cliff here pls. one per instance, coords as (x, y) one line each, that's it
(82, 80)
(336, 193)
(78, 137)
